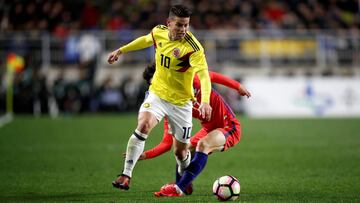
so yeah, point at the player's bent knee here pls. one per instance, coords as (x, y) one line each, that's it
(144, 127)
(146, 122)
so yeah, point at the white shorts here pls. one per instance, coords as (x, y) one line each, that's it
(180, 117)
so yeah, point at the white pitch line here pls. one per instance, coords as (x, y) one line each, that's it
(7, 118)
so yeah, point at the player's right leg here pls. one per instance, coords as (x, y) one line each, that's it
(150, 114)
(135, 147)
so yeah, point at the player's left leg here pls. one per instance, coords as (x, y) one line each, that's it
(182, 156)
(192, 146)
(180, 122)
(180, 125)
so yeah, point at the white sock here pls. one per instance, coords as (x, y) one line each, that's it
(178, 189)
(134, 149)
(183, 164)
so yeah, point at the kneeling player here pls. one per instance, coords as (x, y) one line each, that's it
(220, 133)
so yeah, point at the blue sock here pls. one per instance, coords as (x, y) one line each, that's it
(193, 170)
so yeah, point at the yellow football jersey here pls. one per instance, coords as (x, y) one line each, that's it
(176, 64)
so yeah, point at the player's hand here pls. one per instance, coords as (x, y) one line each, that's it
(205, 111)
(243, 91)
(142, 156)
(114, 56)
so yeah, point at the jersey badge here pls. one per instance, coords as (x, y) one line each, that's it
(176, 53)
(160, 44)
(146, 105)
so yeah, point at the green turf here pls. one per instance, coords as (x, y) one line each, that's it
(74, 159)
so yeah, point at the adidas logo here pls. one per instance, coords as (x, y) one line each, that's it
(130, 161)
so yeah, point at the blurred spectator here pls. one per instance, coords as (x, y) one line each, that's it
(109, 97)
(59, 90)
(89, 48)
(71, 96)
(115, 23)
(130, 89)
(71, 52)
(90, 15)
(275, 11)
(40, 93)
(23, 97)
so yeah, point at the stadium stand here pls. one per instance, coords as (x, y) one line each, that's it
(58, 16)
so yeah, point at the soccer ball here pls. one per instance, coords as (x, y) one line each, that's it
(226, 188)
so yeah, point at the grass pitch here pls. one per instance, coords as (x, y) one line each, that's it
(74, 159)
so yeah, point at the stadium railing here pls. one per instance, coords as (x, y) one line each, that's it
(242, 52)
(261, 49)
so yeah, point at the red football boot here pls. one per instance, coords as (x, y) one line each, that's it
(171, 190)
(158, 194)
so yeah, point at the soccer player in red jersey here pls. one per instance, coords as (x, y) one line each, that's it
(219, 133)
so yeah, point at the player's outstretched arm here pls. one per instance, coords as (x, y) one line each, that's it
(161, 148)
(228, 82)
(137, 44)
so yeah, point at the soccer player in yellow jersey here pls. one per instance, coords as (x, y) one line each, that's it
(178, 56)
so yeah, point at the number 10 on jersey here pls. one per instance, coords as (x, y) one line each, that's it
(165, 61)
(187, 132)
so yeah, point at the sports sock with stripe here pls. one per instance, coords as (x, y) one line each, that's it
(134, 149)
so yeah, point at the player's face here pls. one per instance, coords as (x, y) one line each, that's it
(178, 27)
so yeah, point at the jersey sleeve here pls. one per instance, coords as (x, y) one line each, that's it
(223, 80)
(198, 61)
(139, 43)
(205, 85)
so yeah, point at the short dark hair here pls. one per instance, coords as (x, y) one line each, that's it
(149, 73)
(179, 11)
